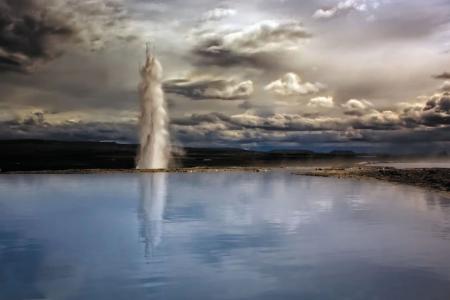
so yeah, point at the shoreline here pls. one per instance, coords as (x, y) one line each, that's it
(436, 179)
(132, 171)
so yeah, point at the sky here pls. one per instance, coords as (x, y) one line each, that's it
(363, 75)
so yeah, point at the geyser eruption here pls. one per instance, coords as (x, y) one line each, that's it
(154, 151)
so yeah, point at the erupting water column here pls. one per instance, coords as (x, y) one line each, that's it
(154, 151)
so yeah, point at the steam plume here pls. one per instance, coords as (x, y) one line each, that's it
(154, 152)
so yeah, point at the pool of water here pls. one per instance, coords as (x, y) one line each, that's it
(220, 236)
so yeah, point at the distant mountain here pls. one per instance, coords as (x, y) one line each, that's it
(343, 152)
(293, 151)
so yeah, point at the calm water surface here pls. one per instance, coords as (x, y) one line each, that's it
(220, 236)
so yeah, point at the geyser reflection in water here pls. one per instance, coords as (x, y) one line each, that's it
(153, 194)
(154, 151)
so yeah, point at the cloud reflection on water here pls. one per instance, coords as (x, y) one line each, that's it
(237, 235)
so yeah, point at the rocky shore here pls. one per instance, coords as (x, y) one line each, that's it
(434, 178)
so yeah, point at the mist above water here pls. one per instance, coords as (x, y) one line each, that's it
(154, 150)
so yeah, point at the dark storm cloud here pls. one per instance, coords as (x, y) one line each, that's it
(278, 122)
(29, 34)
(220, 89)
(203, 56)
(439, 104)
(274, 122)
(412, 125)
(35, 126)
(233, 40)
(402, 140)
(433, 114)
(444, 75)
(34, 32)
(258, 45)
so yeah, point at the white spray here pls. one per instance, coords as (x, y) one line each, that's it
(154, 151)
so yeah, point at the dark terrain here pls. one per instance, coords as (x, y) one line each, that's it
(37, 155)
(433, 178)
(58, 157)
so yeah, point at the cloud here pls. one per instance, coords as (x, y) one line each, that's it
(417, 123)
(377, 120)
(35, 32)
(218, 14)
(28, 35)
(434, 113)
(284, 130)
(235, 52)
(321, 102)
(339, 8)
(37, 124)
(444, 75)
(291, 85)
(445, 87)
(439, 103)
(210, 88)
(244, 125)
(357, 107)
(273, 122)
(252, 45)
(346, 6)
